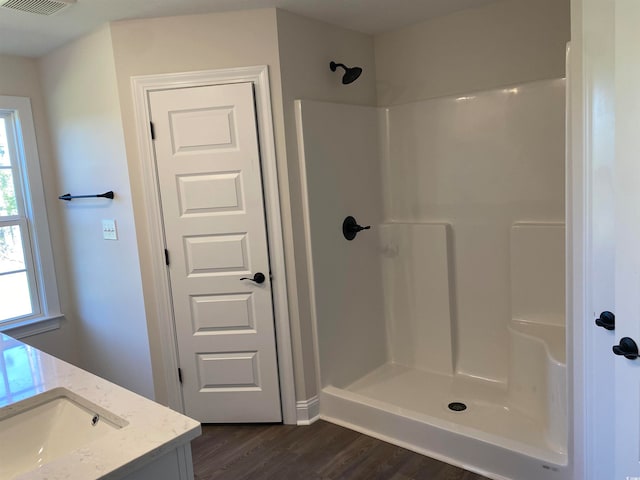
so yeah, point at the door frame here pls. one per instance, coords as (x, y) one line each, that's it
(589, 420)
(141, 87)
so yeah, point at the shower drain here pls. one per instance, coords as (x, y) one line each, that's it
(457, 406)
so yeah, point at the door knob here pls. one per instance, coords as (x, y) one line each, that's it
(606, 320)
(627, 347)
(258, 278)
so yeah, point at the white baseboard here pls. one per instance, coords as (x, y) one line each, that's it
(308, 411)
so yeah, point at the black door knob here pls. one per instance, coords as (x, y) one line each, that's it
(606, 320)
(258, 278)
(627, 348)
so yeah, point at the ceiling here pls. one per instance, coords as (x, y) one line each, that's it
(33, 35)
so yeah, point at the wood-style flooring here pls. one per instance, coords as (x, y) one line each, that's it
(322, 451)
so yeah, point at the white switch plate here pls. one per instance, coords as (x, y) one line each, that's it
(109, 231)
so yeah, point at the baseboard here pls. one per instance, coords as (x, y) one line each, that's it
(308, 411)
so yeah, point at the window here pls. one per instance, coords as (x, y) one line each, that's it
(28, 291)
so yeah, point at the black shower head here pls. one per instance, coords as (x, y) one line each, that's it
(350, 73)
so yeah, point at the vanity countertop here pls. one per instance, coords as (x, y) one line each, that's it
(151, 429)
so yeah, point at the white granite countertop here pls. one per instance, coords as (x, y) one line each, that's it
(150, 429)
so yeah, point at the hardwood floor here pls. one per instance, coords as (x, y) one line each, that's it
(322, 451)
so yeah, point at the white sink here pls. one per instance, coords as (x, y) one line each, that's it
(48, 426)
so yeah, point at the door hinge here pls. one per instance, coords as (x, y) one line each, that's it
(180, 374)
(153, 131)
(166, 256)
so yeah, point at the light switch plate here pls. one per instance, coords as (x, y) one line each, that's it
(109, 231)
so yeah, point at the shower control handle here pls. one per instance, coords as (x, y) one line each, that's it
(607, 320)
(350, 228)
(626, 348)
(258, 278)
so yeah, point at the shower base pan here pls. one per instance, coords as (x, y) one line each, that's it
(410, 408)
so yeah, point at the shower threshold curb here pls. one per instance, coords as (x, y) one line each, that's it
(447, 441)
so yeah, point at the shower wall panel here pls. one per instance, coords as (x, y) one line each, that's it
(537, 273)
(481, 163)
(340, 163)
(416, 281)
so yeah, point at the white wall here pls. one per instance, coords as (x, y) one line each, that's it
(306, 47)
(340, 162)
(503, 43)
(481, 163)
(80, 88)
(19, 77)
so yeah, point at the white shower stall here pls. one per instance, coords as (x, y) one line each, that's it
(442, 328)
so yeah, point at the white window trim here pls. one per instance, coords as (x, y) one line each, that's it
(35, 209)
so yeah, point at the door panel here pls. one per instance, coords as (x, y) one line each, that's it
(222, 312)
(210, 194)
(208, 166)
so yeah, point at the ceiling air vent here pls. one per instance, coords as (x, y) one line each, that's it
(39, 7)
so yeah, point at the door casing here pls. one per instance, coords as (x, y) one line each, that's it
(141, 86)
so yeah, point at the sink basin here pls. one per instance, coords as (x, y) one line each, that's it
(48, 426)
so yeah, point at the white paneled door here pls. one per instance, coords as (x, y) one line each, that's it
(208, 164)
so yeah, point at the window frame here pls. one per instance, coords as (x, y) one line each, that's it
(32, 214)
(20, 218)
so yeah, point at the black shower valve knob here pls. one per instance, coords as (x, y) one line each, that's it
(350, 228)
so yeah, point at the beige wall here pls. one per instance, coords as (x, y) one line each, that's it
(504, 43)
(19, 77)
(306, 47)
(182, 44)
(79, 84)
(300, 49)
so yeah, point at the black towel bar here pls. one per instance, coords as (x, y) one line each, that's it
(68, 196)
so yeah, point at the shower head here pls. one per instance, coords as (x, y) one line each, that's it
(350, 73)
